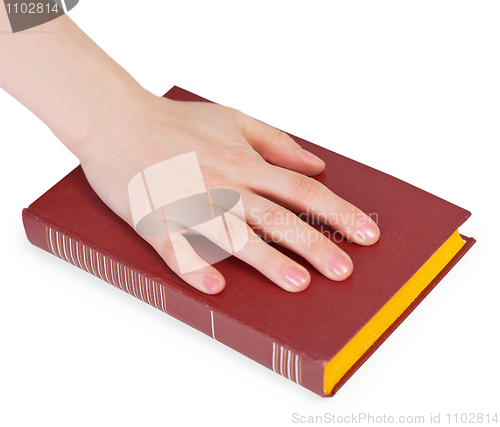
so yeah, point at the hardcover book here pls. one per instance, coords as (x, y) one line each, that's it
(316, 338)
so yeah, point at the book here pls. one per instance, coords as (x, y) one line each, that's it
(316, 338)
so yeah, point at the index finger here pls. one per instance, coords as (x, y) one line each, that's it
(306, 195)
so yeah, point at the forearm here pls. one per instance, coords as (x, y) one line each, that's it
(64, 78)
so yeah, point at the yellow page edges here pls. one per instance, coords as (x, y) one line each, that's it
(336, 368)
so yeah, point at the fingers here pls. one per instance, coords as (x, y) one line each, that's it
(276, 147)
(281, 226)
(179, 255)
(303, 194)
(236, 237)
(276, 266)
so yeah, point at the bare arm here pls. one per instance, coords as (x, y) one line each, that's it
(63, 77)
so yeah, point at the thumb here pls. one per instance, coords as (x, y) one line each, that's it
(276, 146)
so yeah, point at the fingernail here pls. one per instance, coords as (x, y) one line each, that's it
(367, 230)
(294, 276)
(311, 156)
(339, 265)
(210, 282)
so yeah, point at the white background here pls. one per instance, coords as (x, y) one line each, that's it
(410, 88)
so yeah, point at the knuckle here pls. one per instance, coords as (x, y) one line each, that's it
(304, 188)
(281, 137)
(214, 179)
(316, 243)
(232, 229)
(270, 261)
(167, 250)
(233, 110)
(272, 215)
(237, 115)
(241, 157)
(237, 230)
(220, 233)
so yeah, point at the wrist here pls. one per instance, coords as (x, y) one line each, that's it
(115, 97)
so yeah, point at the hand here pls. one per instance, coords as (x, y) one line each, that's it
(117, 129)
(264, 165)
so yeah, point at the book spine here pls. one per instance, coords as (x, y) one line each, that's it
(297, 366)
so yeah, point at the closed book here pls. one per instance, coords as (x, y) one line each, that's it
(316, 338)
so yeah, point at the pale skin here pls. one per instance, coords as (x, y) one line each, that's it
(116, 128)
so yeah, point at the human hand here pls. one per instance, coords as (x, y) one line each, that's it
(117, 129)
(264, 165)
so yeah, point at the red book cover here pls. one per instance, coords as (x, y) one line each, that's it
(294, 334)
